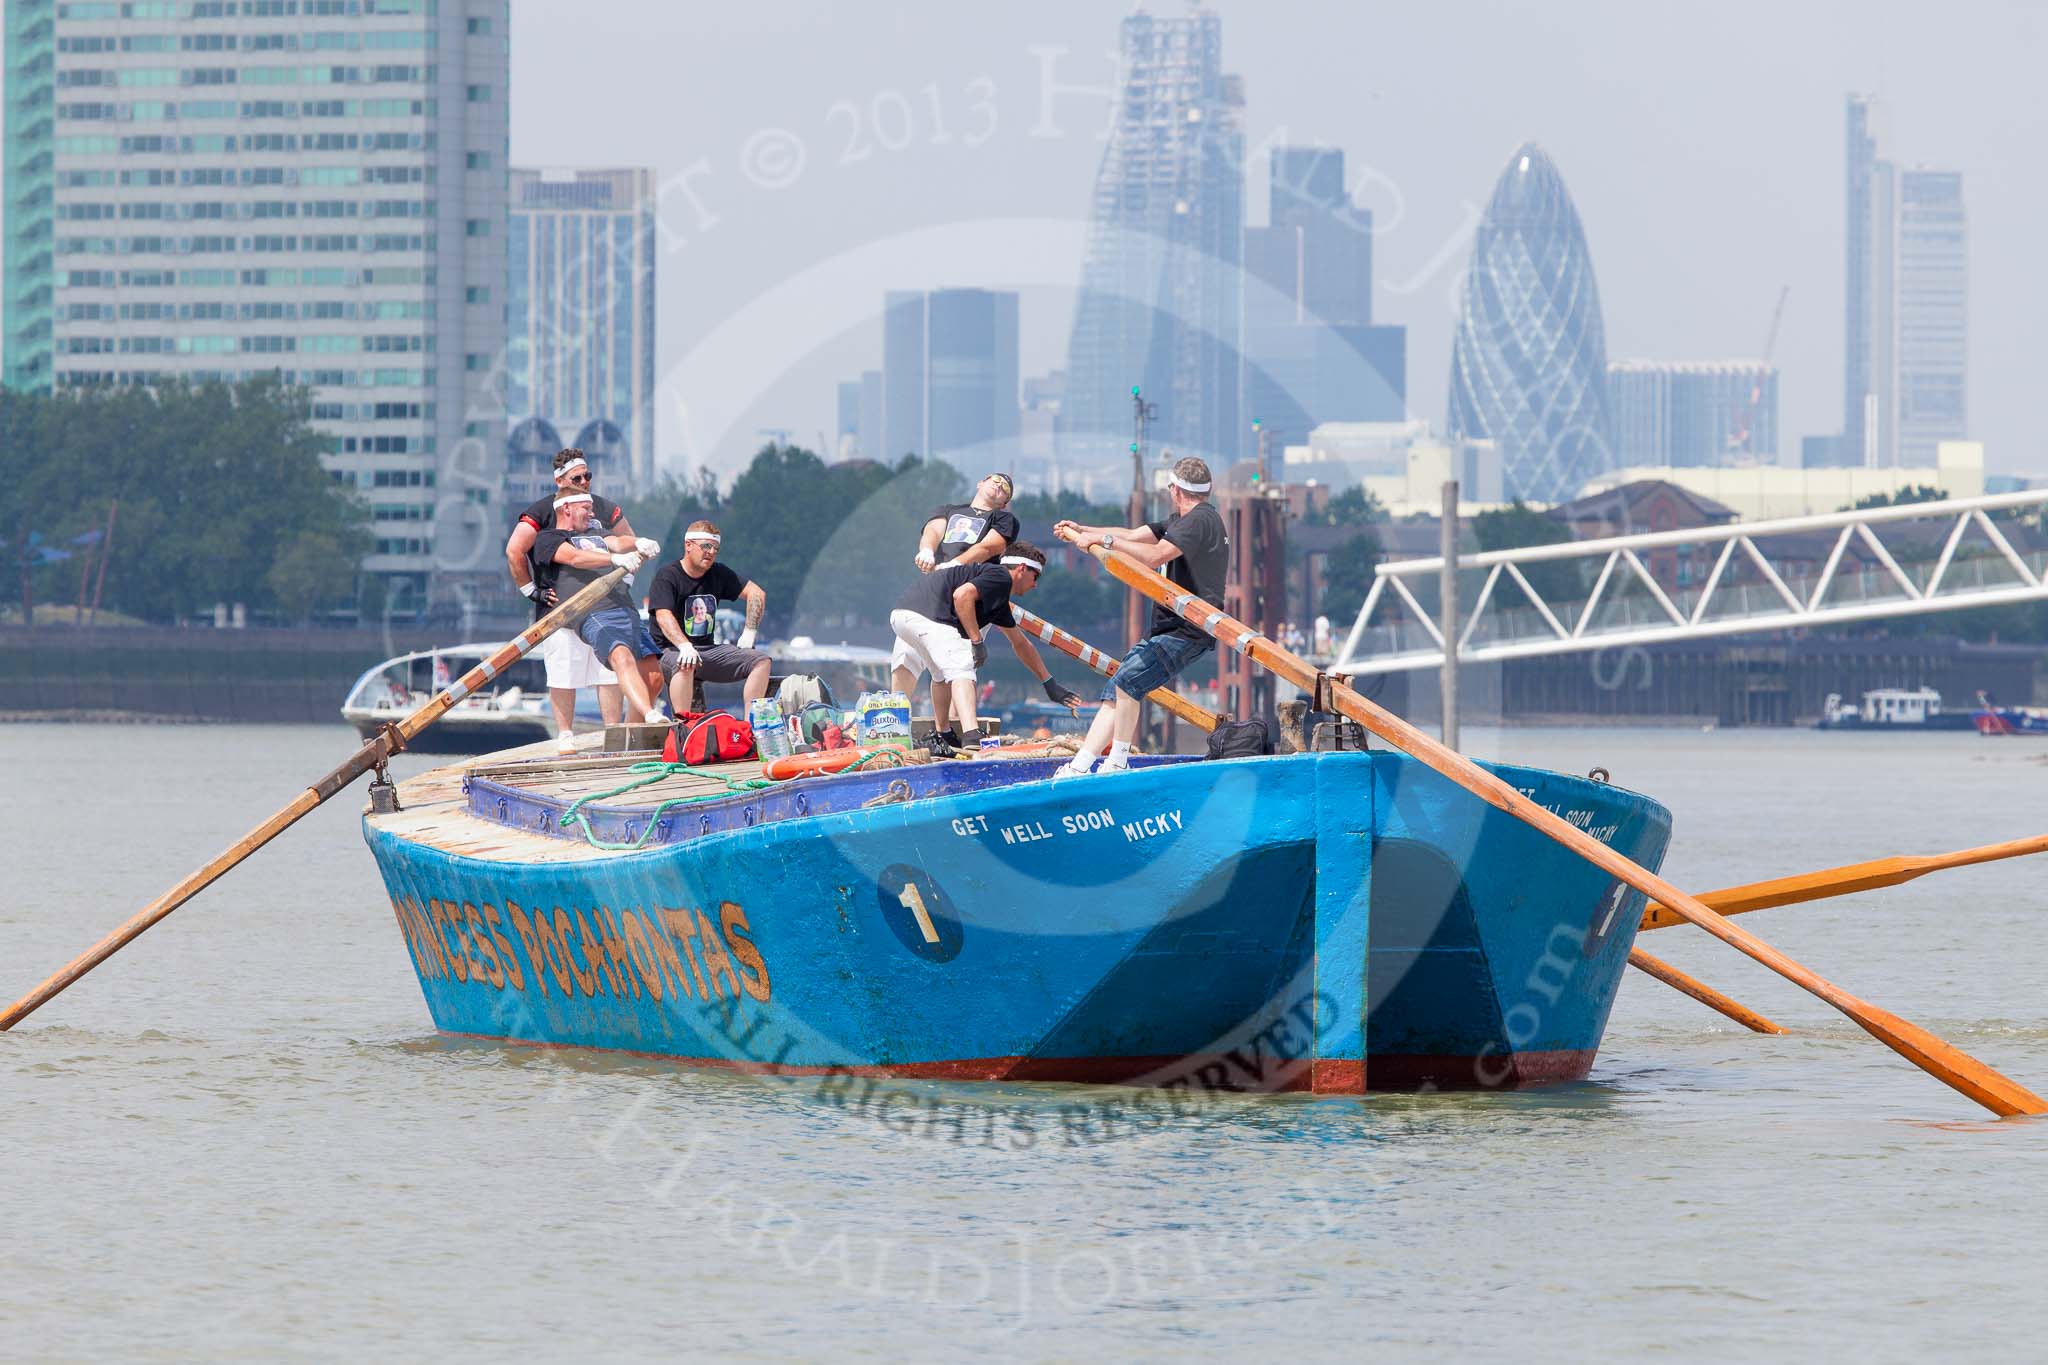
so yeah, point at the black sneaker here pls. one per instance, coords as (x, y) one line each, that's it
(942, 744)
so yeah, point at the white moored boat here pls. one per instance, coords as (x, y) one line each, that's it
(513, 710)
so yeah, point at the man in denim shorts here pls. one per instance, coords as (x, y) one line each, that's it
(1191, 549)
(580, 555)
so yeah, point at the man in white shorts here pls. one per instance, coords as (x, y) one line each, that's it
(940, 622)
(571, 664)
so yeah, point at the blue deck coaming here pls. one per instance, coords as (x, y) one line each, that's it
(623, 822)
(1188, 956)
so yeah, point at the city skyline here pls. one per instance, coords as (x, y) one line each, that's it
(1700, 206)
(1668, 166)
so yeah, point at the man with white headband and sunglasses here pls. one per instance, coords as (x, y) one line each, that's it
(579, 555)
(570, 663)
(942, 619)
(684, 604)
(1192, 549)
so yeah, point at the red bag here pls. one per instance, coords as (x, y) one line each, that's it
(700, 737)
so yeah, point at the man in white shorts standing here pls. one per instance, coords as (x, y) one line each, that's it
(571, 664)
(940, 624)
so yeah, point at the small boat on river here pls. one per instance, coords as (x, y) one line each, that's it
(1993, 719)
(1323, 921)
(1891, 708)
(510, 712)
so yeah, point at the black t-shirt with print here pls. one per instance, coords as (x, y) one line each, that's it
(566, 579)
(693, 600)
(931, 596)
(1200, 568)
(966, 524)
(605, 514)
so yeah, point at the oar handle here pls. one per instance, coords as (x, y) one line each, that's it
(375, 751)
(1072, 645)
(1942, 1060)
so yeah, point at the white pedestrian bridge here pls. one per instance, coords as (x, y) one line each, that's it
(1738, 578)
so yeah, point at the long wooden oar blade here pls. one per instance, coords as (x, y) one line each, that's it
(1701, 991)
(1944, 1061)
(363, 760)
(1841, 881)
(1075, 647)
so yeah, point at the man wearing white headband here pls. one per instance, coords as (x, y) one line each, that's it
(941, 623)
(570, 663)
(684, 604)
(977, 532)
(1192, 549)
(579, 556)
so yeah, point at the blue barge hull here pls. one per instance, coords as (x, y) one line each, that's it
(1319, 921)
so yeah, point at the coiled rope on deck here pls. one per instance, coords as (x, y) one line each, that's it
(655, 771)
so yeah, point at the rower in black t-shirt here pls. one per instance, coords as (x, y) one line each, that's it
(1193, 550)
(684, 606)
(939, 624)
(570, 664)
(976, 532)
(581, 554)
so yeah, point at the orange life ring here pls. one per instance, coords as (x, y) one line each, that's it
(800, 765)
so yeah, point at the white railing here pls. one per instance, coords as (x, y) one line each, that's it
(1977, 566)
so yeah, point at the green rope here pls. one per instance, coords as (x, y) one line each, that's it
(656, 771)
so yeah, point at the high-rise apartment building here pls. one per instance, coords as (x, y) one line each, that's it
(580, 320)
(1932, 292)
(1693, 413)
(1905, 309)
(214, 189)
(1161, 289)
(949, 372)
(1862, 276)
(1529, 354)
(1311, 353)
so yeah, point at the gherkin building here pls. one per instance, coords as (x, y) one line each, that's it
(1529, 360)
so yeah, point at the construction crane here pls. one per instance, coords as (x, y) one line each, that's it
(1742, 440)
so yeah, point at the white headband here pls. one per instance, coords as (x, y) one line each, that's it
(1020, 559)
(711, 536)
(1179, 482)
(570, 468)
(571, 497)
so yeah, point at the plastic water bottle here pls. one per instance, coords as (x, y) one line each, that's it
(771, 739)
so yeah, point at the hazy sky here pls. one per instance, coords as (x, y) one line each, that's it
(845, 149)
(816, 154)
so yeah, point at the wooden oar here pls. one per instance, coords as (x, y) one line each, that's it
(1034, 624)
(390, 741)
(1944, 1061)
(1841, 881)
(1701, 991)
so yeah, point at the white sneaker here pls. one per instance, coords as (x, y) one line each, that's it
(565, 743)
(1113, 765)
(1073, 767)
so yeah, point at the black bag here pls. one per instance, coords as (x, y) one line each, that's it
(1240, 739)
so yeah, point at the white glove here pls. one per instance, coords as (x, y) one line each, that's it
(527, 589)
(649, 548)
(686, 655)
(747, 638)
(629, 560)
(926, 560)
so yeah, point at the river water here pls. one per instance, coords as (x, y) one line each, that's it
(242, 1136)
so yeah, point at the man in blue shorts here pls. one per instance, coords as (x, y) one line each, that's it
(578, 555)
(1190, 548)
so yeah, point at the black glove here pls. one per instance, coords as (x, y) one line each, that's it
(980, 652)
(1060, 694)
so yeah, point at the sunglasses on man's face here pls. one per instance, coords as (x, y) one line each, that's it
(580, 478)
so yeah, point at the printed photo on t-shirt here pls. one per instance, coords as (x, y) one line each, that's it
(962, 529)
(698, 613)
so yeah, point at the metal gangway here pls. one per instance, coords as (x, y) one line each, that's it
(1792, 573)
